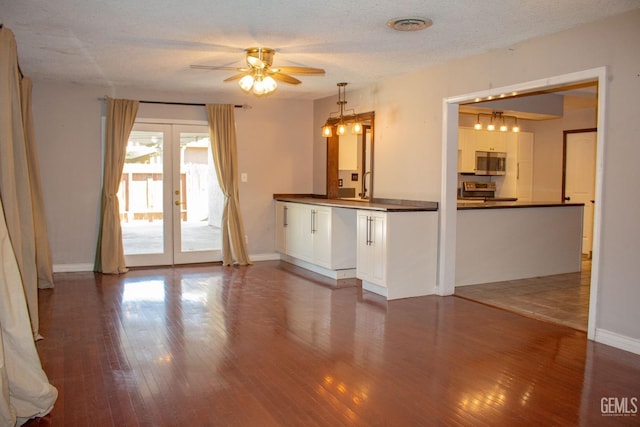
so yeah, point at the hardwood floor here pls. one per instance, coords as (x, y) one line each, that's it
(561, 298)
(269, 345)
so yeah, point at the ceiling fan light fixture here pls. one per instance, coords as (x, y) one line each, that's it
(327, 131)
(246, 83)
(341, 129)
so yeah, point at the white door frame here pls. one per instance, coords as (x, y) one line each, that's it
(448, 207)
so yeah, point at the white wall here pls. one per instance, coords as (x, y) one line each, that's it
(409, 122)
(274, 149)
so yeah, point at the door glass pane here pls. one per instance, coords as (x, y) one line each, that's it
(200, 195)
(140, 194)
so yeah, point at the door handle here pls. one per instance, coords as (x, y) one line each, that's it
(567, 198)
(178, 203)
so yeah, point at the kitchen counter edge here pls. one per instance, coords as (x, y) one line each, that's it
(384, 205)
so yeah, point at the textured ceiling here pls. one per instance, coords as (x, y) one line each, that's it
(149, 44)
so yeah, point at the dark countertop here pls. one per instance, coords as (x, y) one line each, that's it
(375, 204)
(465, 205)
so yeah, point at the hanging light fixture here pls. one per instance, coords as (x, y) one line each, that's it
(356, 128)
(515, 127)
(478, 125)
(342, 123)
(503, 126)
(491, 126)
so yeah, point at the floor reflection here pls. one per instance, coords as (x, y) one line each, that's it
(262, 345)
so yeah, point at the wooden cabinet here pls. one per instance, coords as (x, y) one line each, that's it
(319, 238)
(397, 252)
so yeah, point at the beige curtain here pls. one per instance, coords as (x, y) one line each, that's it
(25, 391)
(222, 128)
(43, 252)
(15, 188)
(121, 114)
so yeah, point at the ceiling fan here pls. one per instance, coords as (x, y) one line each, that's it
(259, 76)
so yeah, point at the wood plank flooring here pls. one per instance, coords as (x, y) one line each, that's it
(561, 298)
(272, 345)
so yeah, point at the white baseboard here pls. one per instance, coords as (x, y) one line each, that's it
(74, 268)
(71, 268)
(332, 274)
(274, 256)
(622, 342)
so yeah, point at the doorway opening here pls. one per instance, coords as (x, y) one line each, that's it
(170, 200)
(447, 250)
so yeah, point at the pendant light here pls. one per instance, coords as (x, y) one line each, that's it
(342, 123)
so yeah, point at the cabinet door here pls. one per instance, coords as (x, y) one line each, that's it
(378, 245)
(467, 150)
(524, 171)
(371, 247)
(299, 242)
(363, 252)
(281, 227)
(491, 141)
(322, 236)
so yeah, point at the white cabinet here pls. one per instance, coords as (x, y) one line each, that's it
(467, 150)
(524, 169)
(491, 141)
(397, 252)
(319, 238)
(471, 140)
(281, 226)
(372, 244)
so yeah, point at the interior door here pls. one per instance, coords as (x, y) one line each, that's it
(170, 201)
(579, 183)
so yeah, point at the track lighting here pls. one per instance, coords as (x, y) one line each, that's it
(500, 119)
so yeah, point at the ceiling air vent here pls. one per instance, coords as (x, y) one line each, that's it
(409, 24)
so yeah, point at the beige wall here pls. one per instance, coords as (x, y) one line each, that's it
(274, 149)
(409, 122)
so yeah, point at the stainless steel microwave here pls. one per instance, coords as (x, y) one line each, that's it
(491, 163)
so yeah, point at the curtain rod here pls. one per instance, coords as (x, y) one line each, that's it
(243, 106)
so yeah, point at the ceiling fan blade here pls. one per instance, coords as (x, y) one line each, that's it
(299, 70)
(215, 68)
(285, 78)
(235, 77)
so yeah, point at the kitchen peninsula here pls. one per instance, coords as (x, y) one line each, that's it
(499, 241)
(390, 244)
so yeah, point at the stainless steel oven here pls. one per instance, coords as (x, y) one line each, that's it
(491, 163)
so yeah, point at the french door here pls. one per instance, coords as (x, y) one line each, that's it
(170, 200)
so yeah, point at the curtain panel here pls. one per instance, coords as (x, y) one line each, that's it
(14, 176)
(121, 115)
(25, 391)
(44, 264)
(222, 129)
